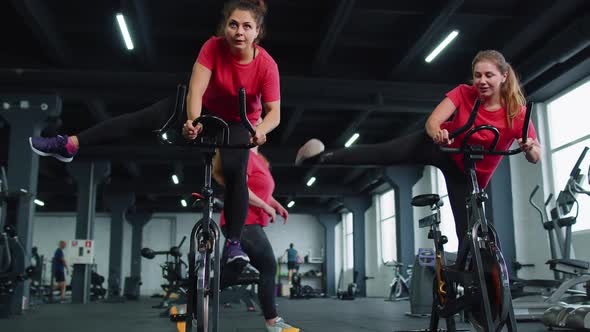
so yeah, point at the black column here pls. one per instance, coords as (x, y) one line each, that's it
(117, 203)
(25, 115)
(499, 211)
(358, 206)
(329, 221)
(402, 179)
(137, 221)
(88, 175)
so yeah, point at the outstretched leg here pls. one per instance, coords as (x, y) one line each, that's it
(124, 126)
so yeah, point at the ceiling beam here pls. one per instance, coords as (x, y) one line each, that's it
(559, 49)
(294, 117)
(540, 23)
(339, 18)
(556, 81)
(141, 17)
(434, 30)
(41, 22)
(146, 86)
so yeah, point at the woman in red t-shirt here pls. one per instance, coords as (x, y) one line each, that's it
(262, 209)
(224, 64)
(495, 83)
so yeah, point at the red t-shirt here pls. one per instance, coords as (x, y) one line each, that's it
(464, 97)
(260, 78)
(262, 184)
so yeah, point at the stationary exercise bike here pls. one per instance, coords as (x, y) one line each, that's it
(204, 253)
(477, 282)
(399, 288)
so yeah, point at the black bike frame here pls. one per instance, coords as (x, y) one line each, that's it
(205, 233)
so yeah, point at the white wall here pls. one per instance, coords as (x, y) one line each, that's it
(373, 261)
(379, 286)
(581, 248)
(161, 233)
(339, 252)
(527, 223)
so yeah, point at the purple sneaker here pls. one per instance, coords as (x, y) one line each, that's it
(234, 253)
(52, 146)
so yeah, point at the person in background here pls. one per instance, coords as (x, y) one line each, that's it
(292, 261)
(60, 267)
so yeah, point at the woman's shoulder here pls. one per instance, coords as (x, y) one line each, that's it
(467, 90)
(214, 41)
(521, 113)
(266, 58)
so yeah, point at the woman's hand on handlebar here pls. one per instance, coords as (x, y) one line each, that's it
(258, 139)
(531, 149)
(530, 144)
(441, 137)
(191, 132)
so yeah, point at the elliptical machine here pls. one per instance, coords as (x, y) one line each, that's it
(570, 272)
(575, 317)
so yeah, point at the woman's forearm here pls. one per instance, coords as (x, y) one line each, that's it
(194, 104)
(254, 200)
(270, 122)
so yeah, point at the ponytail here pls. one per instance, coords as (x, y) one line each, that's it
(511, 95)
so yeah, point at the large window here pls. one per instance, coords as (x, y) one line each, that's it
(348, 240)
(569, 132)
(447, 225)
(387, 226)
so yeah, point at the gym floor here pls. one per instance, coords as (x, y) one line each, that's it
(314, 315)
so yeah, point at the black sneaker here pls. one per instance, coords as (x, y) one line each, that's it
(52, 147)
(235, 254)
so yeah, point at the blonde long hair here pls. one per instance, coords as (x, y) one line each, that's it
(511, 94)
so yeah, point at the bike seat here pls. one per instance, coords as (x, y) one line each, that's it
(425, 200)
(575, 263)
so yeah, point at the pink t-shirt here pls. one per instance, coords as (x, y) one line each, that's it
(260, 78)
(464, 97)
(261, 182)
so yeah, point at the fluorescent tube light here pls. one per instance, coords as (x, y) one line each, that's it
(442, 46)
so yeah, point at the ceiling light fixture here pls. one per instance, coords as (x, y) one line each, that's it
(442, 46)
(124, 31)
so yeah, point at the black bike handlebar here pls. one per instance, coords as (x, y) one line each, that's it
(491, 150)
(216, 121)
(243, 117)
(469, 122)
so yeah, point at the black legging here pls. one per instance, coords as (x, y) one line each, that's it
(418, 149)
(140, 122)
(262, 257)
(234, 161)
